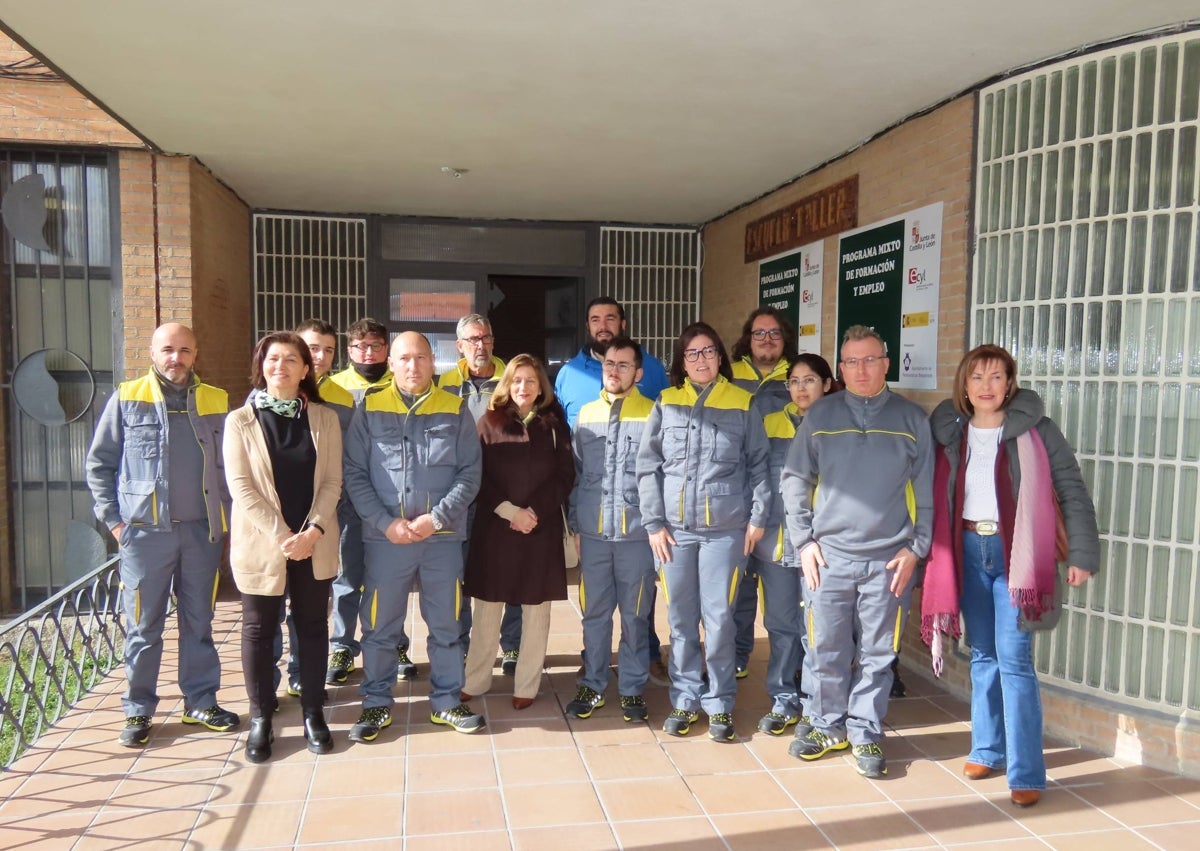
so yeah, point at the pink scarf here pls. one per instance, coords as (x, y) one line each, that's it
(1030, 563)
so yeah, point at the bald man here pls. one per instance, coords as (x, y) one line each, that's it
(155, 472)
(412, 466)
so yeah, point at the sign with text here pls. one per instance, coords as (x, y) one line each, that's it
(889, 276)
(832, 210)
(792, 283)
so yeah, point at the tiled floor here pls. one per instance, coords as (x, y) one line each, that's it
(534, 780)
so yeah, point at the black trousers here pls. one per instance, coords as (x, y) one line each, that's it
(260, 619)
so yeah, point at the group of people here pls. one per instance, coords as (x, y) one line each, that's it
(722, 479)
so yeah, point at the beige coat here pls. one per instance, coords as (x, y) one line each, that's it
(259, 566)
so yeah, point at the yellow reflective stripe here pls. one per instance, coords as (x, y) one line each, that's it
(680, 506)
(733, 584)
(778, 554)
(910, 499)
(224, 523)
(707, 511)
(662, 578)
(154, 507)
(600, 522)
(458, 585)
(812, 632)
(896, 632)
(374, 607)
(582, 594)
(637, 609)
(762, 595)
(624, 524)
(137, 605)
(216, 585)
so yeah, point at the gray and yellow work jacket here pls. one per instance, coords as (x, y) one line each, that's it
(702, 465)
(460, 384)
(770, 391)
(128, 461)
(357, 386)
(608, 433)
(405, 462)
(776, 546)
(858, 478)
(339, 399)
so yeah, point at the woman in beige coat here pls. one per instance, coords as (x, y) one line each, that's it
(283, 462)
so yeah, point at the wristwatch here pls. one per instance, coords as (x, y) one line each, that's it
(437, 524)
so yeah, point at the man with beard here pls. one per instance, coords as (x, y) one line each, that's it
(155, 472)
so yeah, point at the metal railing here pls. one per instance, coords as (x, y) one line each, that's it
(55, 653)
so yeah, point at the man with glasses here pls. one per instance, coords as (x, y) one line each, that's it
(474, 379)
(760, 362)
(858, 544)
(579, 382)
(367, 343)
(760, 358)
(615, 560)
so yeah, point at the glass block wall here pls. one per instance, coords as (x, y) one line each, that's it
(1087, 268)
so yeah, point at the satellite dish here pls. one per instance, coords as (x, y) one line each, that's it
(24, 211)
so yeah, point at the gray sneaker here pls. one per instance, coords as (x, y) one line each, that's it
(460, 717)
(815, 745)
(775, 723)
(869, 761)
(370, 723)
(679, 722)
(406, 669)
(136, 732)
(633, 707)
(508, 662)
(586, 701)
(720, 727)
(341, 663)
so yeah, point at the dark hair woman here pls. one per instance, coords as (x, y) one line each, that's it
(1002, 467)
(809, 377)
(283, 462)
(705, 498)
(516, 553)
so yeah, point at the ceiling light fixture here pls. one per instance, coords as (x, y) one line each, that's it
(454, 172)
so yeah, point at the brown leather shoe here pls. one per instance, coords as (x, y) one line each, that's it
(464, 697)
(522, 702)
(1025, 797)
(975, 771)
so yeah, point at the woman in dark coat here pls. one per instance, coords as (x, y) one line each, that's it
(516, 553)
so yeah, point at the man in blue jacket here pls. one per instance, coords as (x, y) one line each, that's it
(155, 472)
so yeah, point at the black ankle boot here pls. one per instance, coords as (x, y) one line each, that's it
(316, 731)
(258, 742)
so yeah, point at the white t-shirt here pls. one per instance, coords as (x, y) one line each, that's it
(979, 500)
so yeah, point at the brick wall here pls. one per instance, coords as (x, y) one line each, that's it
(38, 111)
(185, 257)
(925, 160)
(921, 162)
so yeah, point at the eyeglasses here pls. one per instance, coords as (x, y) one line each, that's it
(803, 383)
(693, 355)
(364, 348)
(623, 367)
(762, 334)
(485, 340)
(868, 362)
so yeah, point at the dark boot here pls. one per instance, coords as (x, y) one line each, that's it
(258, 743)
(316, 731)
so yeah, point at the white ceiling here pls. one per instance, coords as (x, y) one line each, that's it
(669, 111)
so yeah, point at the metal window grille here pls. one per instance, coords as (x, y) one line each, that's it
(308, 267)
(655, 274)
(1087, 270)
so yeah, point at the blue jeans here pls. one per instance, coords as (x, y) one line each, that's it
(1006, 706)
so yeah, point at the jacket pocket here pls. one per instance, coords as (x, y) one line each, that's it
(441, 443)
(136, 501)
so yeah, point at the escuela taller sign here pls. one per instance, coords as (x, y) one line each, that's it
(829, 211)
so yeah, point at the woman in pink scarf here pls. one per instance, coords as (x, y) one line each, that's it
(1001, 467)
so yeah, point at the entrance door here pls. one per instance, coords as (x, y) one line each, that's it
(536, 314)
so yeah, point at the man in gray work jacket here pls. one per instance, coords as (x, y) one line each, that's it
(412, 466)
(155, 472)
(616, 563)
(858, 491)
